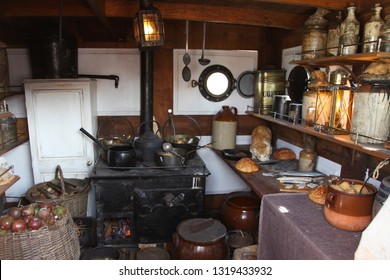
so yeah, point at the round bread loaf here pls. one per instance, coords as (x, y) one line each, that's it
(247, 165)
(283, 154)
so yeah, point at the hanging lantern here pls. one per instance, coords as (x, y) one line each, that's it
(333, 110)
(149, 28)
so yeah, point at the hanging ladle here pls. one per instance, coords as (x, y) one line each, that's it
(186, 73)
(202, 60)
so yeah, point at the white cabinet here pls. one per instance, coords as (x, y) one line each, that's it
(56, 109)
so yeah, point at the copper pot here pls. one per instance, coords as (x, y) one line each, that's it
(201, 239)
(240, 211)
(349, 211)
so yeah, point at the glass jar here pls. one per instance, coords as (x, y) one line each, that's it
(307, 159)
(310, 115)
(372, 29)
(332, 42)
(315, 34)
(309, 98)
(349, 32)
(8, 128)
(384, 35)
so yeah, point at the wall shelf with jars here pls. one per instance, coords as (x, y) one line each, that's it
(376, 150)
(352, 59)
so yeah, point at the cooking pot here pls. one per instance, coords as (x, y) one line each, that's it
(121, 156)
(147, 145)
(114, 131)
(117, 156)
(346, 210)
(181, 140)
(201, 239)
(173, 160)
(186, 142)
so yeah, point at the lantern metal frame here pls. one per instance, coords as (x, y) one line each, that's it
(333, 109)
(149, 28)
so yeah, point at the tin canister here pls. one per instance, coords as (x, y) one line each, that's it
(267, 84)
(280, 106)
(295, 113)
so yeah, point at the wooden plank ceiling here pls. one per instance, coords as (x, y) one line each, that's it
(110, 20)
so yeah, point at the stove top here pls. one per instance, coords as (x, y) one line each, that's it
(194, 167)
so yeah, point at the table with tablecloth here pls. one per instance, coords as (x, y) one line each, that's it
(292, 227)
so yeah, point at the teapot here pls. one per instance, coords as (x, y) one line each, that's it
(147, 145)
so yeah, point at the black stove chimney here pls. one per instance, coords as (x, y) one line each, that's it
(146, 68)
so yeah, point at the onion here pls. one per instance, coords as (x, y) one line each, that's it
(28, 210)
(44, 213)
(15, 212)
(59, 212)
(35, 223)
(47, 205)
(18, 226)
(6, 222)
(27, 218)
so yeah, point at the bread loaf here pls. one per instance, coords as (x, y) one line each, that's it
(318, 194)
(247, 165)
(283, 154)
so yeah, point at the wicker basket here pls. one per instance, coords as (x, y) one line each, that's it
(76, 203)
(57, 242)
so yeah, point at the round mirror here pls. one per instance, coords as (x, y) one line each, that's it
(216, 83)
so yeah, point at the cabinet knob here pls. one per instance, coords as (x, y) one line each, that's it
(89, 163)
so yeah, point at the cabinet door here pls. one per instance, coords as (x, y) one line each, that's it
(56, 109)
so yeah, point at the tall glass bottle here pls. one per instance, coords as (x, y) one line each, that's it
(384, 35)
(372, 29)
(349, 32)
(314, 37)
(333, 38)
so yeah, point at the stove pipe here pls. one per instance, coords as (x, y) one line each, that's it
(146, 118)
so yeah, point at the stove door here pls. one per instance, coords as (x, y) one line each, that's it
(159, 211)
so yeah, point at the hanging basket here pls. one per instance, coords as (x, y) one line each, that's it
(71, 193)
(56, 242)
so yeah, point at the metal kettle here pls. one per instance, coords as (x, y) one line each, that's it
(147, 145)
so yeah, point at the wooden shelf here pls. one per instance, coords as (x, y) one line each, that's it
(352, 59)
(5, 187)
(376, 150)
(22, 137)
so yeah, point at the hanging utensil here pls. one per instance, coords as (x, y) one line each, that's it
(202, 60)
(186, 73)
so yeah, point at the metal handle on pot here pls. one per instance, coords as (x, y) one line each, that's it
(93, 138)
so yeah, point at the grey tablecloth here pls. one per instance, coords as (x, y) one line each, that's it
(292, 227)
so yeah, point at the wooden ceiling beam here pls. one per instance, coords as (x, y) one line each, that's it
(329, 4)
(234, 15)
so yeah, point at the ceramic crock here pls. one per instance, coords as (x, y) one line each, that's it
(201, 239)
(240, 211)
(349, 211)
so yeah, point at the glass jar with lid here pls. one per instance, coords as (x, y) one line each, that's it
(332, 42)
(315, 35)
(349, 37)
(372, 29)
(7, 125)
(384, 35)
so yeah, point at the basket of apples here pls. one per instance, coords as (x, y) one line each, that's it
(43, 231)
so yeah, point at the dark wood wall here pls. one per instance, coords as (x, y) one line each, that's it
(219, 36)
